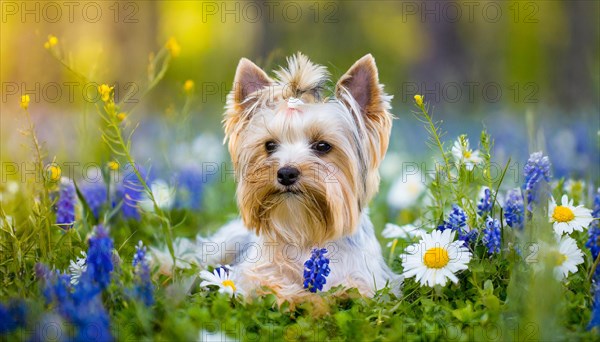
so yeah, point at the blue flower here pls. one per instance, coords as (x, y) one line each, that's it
(131, 192)
(485, 203)
(99, 258)
(316, 269)
(82, 305)
(457, 221)
(190, 188)
(593, 242)
(492, 235)
(139, 257)
(65, 205)
(514, 209)
(13, 316)
(95, 195)
(143, 289)
(535, 171)
(58, 287)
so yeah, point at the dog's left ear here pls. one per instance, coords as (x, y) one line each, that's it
(360, 91)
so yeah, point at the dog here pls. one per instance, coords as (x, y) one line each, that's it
(306, 167)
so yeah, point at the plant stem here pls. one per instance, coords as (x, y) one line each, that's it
(593, 269)
(44, 203)
(436, 136)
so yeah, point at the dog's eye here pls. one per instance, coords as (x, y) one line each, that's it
(321, 147)
(270, 146)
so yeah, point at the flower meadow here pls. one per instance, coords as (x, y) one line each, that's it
(118, 256)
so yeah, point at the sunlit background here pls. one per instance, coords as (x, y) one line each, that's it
(526, 71)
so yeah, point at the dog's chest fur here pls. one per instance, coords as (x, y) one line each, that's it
(355, 262)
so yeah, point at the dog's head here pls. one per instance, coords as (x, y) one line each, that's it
(306, 164)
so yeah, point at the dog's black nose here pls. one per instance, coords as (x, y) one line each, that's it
(287, 175)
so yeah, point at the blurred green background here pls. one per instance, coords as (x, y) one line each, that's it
(479, 63)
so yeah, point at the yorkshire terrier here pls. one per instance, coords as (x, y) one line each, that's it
(306, 167)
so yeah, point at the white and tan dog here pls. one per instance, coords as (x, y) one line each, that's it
(307, 168)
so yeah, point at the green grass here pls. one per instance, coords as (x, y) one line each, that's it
(499, 297)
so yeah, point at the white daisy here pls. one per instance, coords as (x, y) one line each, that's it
(564, 256)
(568, 257)
(407, 231)
(567, 217)
(463, 153)
(164, 195)
(187, 253)
(77, 267)
(436, 258)
(219, 277)
(406, 190)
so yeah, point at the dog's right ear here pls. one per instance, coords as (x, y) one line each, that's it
(249, 82)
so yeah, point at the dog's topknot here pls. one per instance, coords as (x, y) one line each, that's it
(302, 78)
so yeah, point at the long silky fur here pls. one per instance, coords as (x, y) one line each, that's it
(328, 205)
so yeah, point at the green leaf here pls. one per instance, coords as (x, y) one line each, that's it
(465, 314)
(491, 302)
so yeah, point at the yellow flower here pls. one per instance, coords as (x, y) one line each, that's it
(105, 92)
(188, 86)
(25, 101)
(121, 116)
(54, 172)
(436, 257)
(419, 100)
(52, 41)
(173, 47)
(113, 165)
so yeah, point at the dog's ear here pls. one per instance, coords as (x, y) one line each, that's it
(360, 91)
(248, 83)
(249, 79)
(362, 82)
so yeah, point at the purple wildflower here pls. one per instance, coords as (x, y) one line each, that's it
(316, 269)
(65, 204)
(536, 172)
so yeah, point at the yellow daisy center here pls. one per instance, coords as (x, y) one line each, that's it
(229, 283)
(467, 154)
(559, 258)
(436, 258)
(563, 214)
